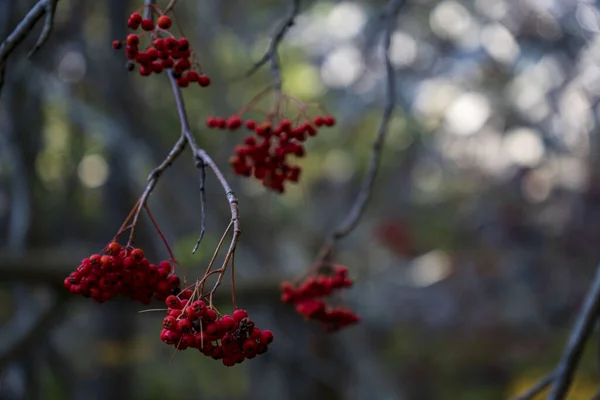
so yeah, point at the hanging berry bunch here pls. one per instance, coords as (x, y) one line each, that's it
(192, 323)
(163, 51)
(122, 271)
(308, 297)
(125, 270)
(265, 154)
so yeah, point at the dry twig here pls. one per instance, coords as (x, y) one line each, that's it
(40, 9)
(389, 15)
(271, 55)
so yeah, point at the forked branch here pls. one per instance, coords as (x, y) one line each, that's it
(389, 15)
(41, 8)
(271, 55)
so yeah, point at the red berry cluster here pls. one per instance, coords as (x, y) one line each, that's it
(264, 154)
(162, 53)
(231, 339)
(122, 271)
(307, 299)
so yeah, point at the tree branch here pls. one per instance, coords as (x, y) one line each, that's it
(539, 387)
(41, 8)
(153, 178)
(389, 14)
(584, 327)
(203, 159)
(271, 54)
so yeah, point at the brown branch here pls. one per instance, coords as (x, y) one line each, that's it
(41, 8)
(539, 387)
(351, 220)
(153, 178)
(584, 326)
(271, 54)
(203, 159)
(202, 168)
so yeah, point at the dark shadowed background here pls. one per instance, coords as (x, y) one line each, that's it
(471, 262)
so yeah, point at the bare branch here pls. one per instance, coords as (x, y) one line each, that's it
(584, 327)
(153, 178)
(271, 54)
(538, 388)
(203, 159)
(148, 9)
(389, 14)
(202, 168)
(41, 8)
(50, 9)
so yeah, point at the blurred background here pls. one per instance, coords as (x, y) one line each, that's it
(471, 262)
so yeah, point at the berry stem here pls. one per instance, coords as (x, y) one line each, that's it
(216, 252)
(165, 242)
(254, 100)
(202, 158)
(152, 180)
(124, 227)
(233, 302)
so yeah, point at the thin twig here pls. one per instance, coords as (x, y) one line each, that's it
(584, 327)
(202, 168)
(389, 14)
(41, 8)
(153, 178)
(203, 159)
(50, 9)
(271, 54)
(539, 387)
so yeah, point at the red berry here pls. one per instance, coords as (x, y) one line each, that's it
(116, 44)
(266, 337)
(239, 315)
(251, 124)
(173, 281)
(173, 302)
(164, 22)
(193, 76)
(183, 44)
(170, 43)
(133, 39)
(167, 63)
(329, 121)
(183, 81)
(227, 323)
(234, 122)
(212, 122)
(134, 21)
(203, 80)
(138, 254)
(184, 325)
(210, 314)
(319, 121)
(136, 18)
(249, 346)
(113, 248)
(147, 24)
(170, 322)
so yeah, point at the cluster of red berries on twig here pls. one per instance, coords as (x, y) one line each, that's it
(265, 153)
(164, 51)
(122, 271)
(192, 324)
(308, 298)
